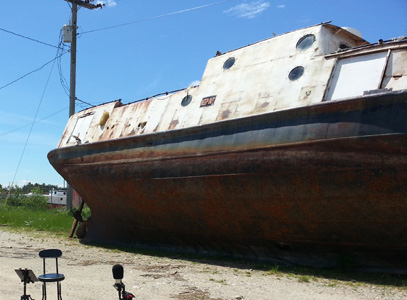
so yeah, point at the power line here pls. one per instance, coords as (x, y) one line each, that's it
(32, 124)
(35, 121)
(62, 79)
(86, 103)
(28, 38)
(158, 17)
(36, 70)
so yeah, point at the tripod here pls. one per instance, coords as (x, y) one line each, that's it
(123, 295)
(26, 276)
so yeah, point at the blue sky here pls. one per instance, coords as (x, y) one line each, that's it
(132, 49)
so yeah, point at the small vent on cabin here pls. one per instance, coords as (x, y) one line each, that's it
(142, 125)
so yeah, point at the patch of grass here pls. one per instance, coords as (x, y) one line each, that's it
(307, 278)
(273, 270)
(53, 220)
(304, 278)
(221, 281)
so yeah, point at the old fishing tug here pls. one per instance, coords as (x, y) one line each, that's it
(291, 149)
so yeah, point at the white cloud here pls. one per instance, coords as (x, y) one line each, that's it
(194, 83)
(108, 3)
(248, 10)
(281, 6)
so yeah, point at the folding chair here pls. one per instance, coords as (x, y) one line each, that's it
(51, 277)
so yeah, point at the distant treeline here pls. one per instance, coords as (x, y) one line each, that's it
(30, 187)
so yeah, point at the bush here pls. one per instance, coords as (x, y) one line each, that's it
(85, 213)
(36, 201)
(15, 198)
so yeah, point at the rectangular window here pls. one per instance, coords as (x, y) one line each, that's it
(354, 75)
(81, 128)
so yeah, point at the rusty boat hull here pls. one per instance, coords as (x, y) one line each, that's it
(308, 185)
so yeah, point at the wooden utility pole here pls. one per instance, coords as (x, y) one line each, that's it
(72, 81)
(72, 89)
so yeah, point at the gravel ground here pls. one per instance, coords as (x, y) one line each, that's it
(88, 272)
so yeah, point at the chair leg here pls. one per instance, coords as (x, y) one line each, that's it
(44, 291)
(59, 296)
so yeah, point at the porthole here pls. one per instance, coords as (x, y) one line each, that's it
(186, 100)
(229, 63)
(305, 42)
(296, 73)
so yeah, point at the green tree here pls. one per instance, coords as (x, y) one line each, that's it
(44, 188)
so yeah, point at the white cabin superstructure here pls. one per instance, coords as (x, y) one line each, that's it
(299, 68)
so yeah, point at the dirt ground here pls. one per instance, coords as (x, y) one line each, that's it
(88, 272)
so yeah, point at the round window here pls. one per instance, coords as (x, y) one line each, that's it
(186, 100)
(305, 42)
(296, 73)
(229, 63)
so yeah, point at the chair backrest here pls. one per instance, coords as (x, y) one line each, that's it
(50, 253)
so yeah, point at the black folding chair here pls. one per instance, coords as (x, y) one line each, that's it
(51, 277)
